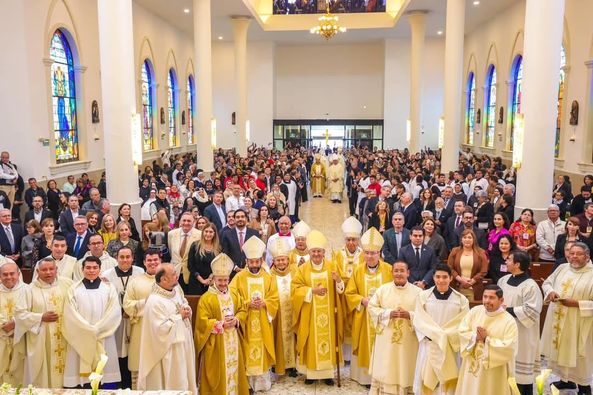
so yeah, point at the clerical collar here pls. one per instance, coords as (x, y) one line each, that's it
(121, 273)
(518, 279)
(317, 266)
(91, 284)
(372, 269)
(442, 295)
(400, 286)
(57, 259)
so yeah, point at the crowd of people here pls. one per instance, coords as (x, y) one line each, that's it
(393, 302)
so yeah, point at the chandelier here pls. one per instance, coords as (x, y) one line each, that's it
(328, 26)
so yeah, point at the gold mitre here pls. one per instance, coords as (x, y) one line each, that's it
(372, 240)
(279, 247)
(351, 227)
(317, 157)
(316, 239)
(301, 229)
(222, 265)
(254, 248)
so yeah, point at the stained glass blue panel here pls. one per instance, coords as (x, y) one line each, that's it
(147, 106)
(190, 109)
(491, 109)
(172, 107)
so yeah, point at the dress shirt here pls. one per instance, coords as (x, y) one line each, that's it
(10, 236)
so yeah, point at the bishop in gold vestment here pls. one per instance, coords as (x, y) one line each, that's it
(318, 177)
(217, 335)
(366, 278)
(315, 309)
(259, 295)
(300, 253)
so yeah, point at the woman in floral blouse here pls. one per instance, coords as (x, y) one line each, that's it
(523, 233)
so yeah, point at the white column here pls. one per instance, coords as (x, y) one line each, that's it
(203, 73)
(116, 50)
(455, 27)
(418, 24)
(543, 39)
(240, 26)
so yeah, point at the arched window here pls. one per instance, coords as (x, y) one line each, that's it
(147, 106)
(560, 100)
(470, 109)
(172, 107)
(490, 107)
(63, 99)
(190, 109)
(517, 83)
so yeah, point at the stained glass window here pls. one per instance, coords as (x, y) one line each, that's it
(147, 106)
(172, 107)
(560, 100)
(470, 109)
(63, 99)
(491, 108)
(517, 79)
(190, 109)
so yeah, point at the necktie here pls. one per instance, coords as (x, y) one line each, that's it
(241, 239)
(418, 256)
(458, 221)
(77, 245)
(10, 237)
(183, 245)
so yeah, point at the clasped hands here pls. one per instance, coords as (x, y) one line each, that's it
(400, 313)
(230, 321)
(481, 334)
(8, 326)
(554, 297)
(257, 304)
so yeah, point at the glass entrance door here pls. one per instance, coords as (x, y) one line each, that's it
(327, 135)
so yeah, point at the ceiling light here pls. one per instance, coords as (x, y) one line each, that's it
(476, 2)
(220, 37)
(440, 32)
(186, 10)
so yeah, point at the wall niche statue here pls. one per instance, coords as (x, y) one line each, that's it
(574, 113)
(479, 116)
(500, 114)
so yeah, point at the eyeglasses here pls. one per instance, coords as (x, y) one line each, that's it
(96, 243)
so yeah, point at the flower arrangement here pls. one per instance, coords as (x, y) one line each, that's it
(96, 377)
(540, 382)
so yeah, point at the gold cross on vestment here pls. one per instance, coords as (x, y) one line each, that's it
(9, 308)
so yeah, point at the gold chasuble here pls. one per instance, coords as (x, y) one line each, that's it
(258, 341)
(296, 258)
(285, 341)
(220, 350)
(12, 353)
(436, 321)
(318, 177)
(363, 284)
(314, 321)
(487, 365)
(46, 346)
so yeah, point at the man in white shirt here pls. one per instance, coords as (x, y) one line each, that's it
(235, 201)
(69, 186)
(547, 232)
(8, 176)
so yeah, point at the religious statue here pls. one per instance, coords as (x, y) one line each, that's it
(95, 112)
(574, 113)
(183, 117)
(479, 116)
(162, 116)
(500, 114)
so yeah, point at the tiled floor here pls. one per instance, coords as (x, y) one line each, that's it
(327, 217)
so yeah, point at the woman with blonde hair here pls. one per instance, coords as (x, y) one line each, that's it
(123, 238)
(200, 256)
(107, 230)
(468, 263)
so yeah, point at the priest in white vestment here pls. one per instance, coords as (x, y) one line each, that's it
(488, 342)
(439, 311)
(284, 233)
(335, 176)
(524, 301)
(137, 293)
(168, 362)
(120, 277)
(92, 314)
(39, 319)
(96, 249)
(391, 311)
(67, 265)
(291, 199)
(12, 354)
(567, 338)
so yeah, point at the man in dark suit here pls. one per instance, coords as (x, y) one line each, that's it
(454, 221)
(38, 212)
(469, 220)
(11, 236)
(32, 191)
(215, 212)
(233, 239)
(67, 216)
(421, 259)
(409, 209)
(395, 238)
(448, 199)
(383, 196)
(78, 242)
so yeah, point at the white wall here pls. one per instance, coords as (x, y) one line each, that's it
(260, 87)
(397, 91)
(499, 40)
(340, 80)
